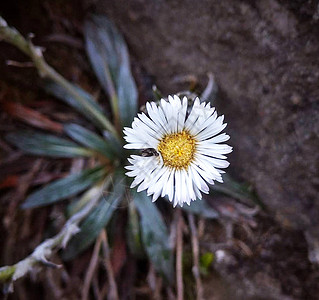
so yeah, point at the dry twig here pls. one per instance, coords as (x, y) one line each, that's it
(24, 184)
(112, 294)
(18, 64)
(155, 283)
(195, 249)
(92, 267)
(179, 256)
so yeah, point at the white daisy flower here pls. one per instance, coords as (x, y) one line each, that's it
(180, 152)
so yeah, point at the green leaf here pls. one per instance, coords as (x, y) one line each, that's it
(78, 203)
(127, 95)
(200, 207)
(89, 139)
(205, 262)
(155, 235)
(109, 57)
(46, 145)
(237, 190)
(64, 188)
(82, 101)
(134, 238)
(115, 144)
(96, 221)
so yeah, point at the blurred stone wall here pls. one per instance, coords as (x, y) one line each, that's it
(264, 56)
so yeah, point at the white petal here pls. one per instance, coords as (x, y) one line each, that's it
(214, 148)
(178, 188)
(219, 138)
(193, 116)
(181, 115)
(170, 186)
(151, 124)
(188, 190)
(137, 146)
(198, 180)
(154, 115)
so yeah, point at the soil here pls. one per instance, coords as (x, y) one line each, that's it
(264, 58)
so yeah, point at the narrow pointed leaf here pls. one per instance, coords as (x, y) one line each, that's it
(89, 139)
(64, 188)
(200, 207)
(115, 145)
(78, 203)
(46, 145)
(82, 101)
(155, 235)
(127, 96)
(95, 222)
(108, 54)
(134, 238)
(237, 190)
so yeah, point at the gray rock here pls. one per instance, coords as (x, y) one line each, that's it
(264, 56)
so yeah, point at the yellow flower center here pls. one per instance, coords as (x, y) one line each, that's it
(177, 149)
